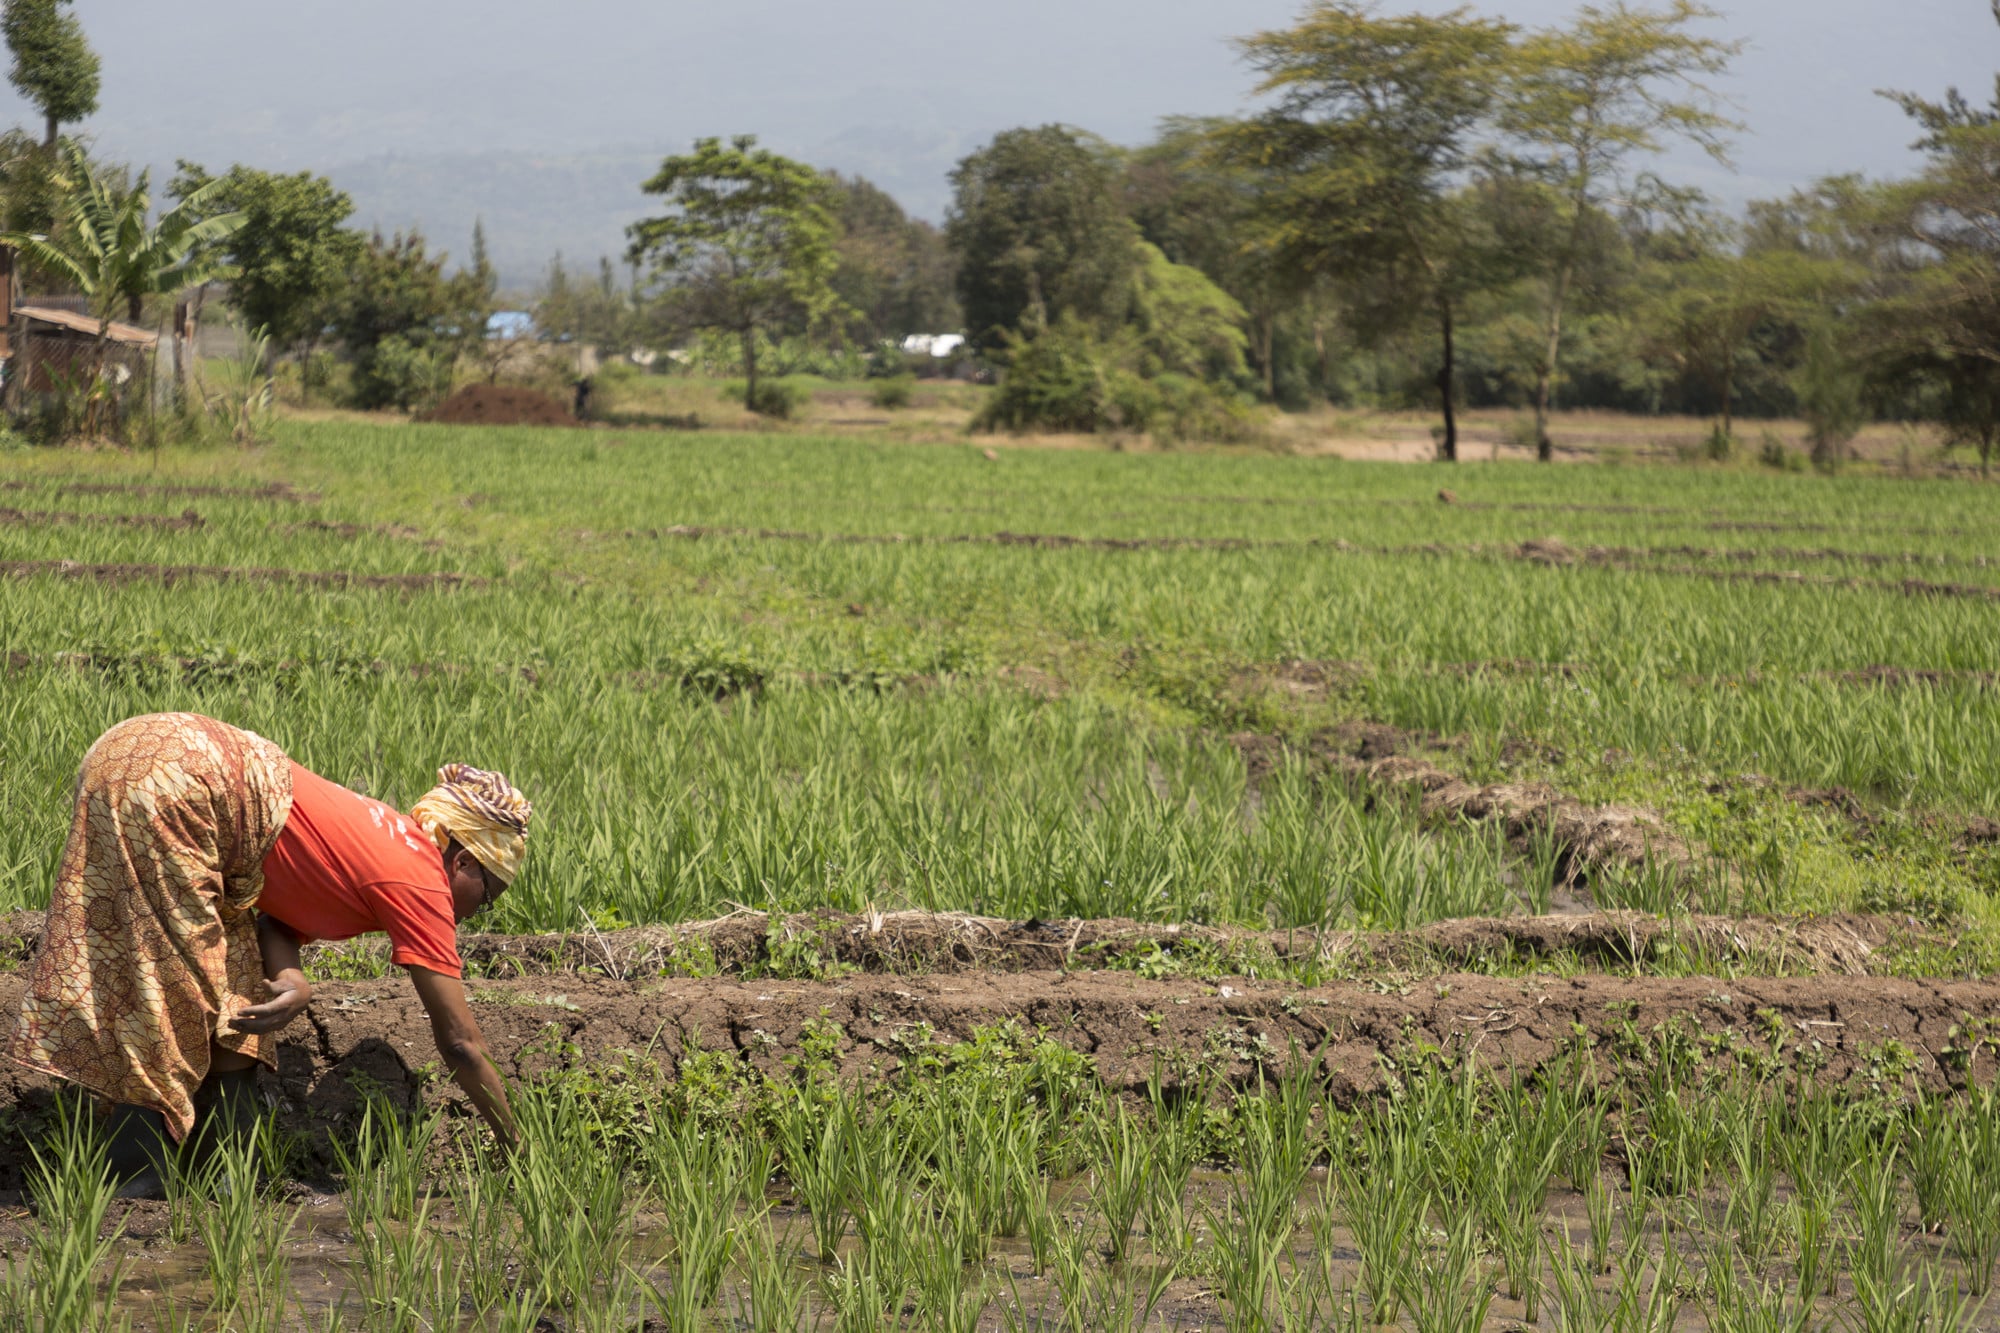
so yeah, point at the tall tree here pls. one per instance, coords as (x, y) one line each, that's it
(1372, 133)
(746, 242)
(1200, 204)
(1939, 315)
(895, 270)
(1039, 230)
(293, 252)
(1583, 100)
(54, 67)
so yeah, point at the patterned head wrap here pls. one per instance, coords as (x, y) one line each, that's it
(483, 812)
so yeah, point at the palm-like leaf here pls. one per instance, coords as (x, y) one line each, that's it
(112, 256)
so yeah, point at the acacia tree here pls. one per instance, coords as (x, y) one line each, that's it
(746, 243)
(1939, 316)
(1369, 141)
(1581, 101)
(54, 67)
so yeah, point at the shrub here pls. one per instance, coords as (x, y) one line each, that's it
(1772, 453)
(1054, 381)
(776, 398)
(1719, 444)
(1180, 409)
(891, 394)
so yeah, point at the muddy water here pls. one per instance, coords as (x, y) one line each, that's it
(161, 1278)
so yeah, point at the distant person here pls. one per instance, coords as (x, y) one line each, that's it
(199, 859)
(582, 408)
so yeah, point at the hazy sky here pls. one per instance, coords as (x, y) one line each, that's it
(894, 88)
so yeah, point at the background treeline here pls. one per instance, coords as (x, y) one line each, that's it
(1429, 210)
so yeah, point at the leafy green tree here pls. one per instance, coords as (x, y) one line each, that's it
(1038, 230)
(1938, 314)
(293, 253)
(1709, 310)
(1186, 325)
(747, 242)
(895, 271)
(108, 251)
(1582, 100)
(403, 322)
(54, 67)
(1200, 204)
(1371, 135)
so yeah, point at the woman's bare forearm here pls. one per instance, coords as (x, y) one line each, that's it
(479, 1080)
(279, 946)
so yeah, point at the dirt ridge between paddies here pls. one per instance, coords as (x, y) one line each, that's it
(373, 1036)
(186, 519)
(1545, 552)
(281, 491)
(750, 943)
(170, 575)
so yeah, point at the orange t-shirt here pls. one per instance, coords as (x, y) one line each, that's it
(345, 865)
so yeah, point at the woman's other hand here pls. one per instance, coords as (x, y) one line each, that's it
(291, 993)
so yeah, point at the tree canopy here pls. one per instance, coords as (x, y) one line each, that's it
(746, 241)
(54, 67)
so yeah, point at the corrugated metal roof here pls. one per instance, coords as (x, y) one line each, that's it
(129, 334)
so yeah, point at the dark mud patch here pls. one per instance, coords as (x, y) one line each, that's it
(185, 520)
(1552, 551)
(277, 490)
(169, 575)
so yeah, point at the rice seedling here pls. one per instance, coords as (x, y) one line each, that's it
(698, 1180)
(857, 1294)
(247, 1270)
(1574, 1302)
(574, 1207)
(1873, 1194)
(1752, 1215)
(1121, 1171)
(1642, 1306)
(69, 1180)
(386, 1167)
(815, 1153)
(1972, 1190)
(1929, 1301)
(1737, 1302)
(1522, 1143)
(1453, 1296)
(951, 1295)
(775, 1300)
(1383, 1204)
(488, 1240)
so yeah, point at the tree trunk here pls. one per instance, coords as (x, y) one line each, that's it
(1319, 353)
(134, 311)
(1447, 380)
(1266, 340)
(1545, 373)
(49, 139)
(1728, 395)
(750, 369)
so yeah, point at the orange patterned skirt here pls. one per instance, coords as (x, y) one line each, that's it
(150, 939)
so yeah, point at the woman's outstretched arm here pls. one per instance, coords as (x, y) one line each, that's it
(291, 991)
(464, 1049)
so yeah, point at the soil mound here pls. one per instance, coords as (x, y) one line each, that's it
(500, 405)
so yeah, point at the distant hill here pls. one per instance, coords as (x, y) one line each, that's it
(536, 204)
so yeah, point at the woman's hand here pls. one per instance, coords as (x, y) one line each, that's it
(291, 993)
